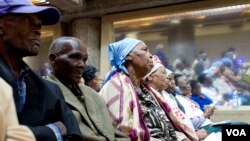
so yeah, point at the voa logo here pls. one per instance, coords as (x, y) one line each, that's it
(236, 132)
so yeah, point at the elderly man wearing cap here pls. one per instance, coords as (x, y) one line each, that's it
(39, 103)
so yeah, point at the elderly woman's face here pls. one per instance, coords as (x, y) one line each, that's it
(159, 79)
(184, 86)
(141, 59)
(171, 83)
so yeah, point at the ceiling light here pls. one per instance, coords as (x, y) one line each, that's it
(201, 17)
(39, 1)
(175, 18)
(175, 21)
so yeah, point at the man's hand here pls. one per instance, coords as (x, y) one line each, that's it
(209, 111)
(186, 139)
(202, 134)
(62, 127)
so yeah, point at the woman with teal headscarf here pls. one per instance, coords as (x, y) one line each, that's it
(117, 52)
(130, 61)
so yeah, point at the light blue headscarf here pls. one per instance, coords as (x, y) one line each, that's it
(117, 53)
(217, 64)
(227, 62)
(223, 62)
(210, 72)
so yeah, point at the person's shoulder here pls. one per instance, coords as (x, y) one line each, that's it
(4, 84)
(47, 85)
(91, 93)
(5, 91)
(194, 96)
(43, 80)
(116, 79)
(87, 89)
(179, 96)
(50, 83)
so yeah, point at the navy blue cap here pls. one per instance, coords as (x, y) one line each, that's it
(49, 15)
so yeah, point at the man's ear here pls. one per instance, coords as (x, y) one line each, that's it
(52, 58)
(1, 31)
(1, 28)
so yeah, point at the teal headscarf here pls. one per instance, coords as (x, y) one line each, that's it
(117, 53)
(227, 62)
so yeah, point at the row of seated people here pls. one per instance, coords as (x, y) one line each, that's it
(220, 81)
(137, 108)
(134, 103)
(217, 85)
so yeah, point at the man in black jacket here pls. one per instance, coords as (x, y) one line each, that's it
(40, 104)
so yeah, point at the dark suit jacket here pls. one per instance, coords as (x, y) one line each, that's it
(44, 104)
